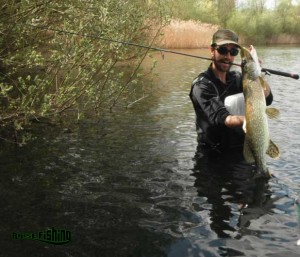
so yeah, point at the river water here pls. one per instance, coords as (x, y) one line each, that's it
(133, 184)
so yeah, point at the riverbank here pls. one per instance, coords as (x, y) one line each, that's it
(191, 34)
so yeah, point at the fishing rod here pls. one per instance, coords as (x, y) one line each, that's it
(118, 41)
(275, 72)
(281, 73)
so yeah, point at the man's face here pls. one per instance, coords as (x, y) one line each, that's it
(223, 56)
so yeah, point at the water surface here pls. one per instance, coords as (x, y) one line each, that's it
(133, 183)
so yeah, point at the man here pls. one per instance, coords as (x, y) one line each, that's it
(217, 128)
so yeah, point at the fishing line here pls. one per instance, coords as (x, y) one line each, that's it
(117, 41)
(275, 72)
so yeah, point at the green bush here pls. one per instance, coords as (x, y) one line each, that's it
(46, 71)
(255, 28)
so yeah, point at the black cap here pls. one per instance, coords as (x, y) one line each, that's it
(225, 36)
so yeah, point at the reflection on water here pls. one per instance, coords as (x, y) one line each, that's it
(234, 197)
(135, 184)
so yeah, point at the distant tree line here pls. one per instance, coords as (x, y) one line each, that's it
(250, 18)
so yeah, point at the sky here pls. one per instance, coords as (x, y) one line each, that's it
(270, 4)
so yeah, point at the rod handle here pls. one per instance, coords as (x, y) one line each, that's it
(281, 73)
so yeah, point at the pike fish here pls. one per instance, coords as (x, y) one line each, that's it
(257, 138)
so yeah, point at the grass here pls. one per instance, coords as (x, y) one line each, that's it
(187, 34)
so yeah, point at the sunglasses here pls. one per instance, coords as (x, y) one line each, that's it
(223, 50)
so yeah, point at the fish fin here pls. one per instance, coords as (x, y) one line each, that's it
(272, 113)
(273, 150)
(247, 152)
(263, 83)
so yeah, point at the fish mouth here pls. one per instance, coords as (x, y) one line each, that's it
(246, 54)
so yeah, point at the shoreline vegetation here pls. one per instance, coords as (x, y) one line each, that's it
(190, 34)
(180, 34)
(62, 76)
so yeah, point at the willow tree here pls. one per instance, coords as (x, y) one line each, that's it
(215, 11)
(225, 10)
(184, 9)
(289, 16)
(52, 59)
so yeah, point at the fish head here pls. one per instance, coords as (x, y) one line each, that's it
(250, 63)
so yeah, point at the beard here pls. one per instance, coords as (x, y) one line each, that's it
(222, 65)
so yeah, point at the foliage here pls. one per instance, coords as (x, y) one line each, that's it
(255, 28)
(259, 24)
(209, 11)
(184, 10)
(47, 72)
(289, 16)
(252, 19)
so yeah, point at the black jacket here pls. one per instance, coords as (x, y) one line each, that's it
(207, 95)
